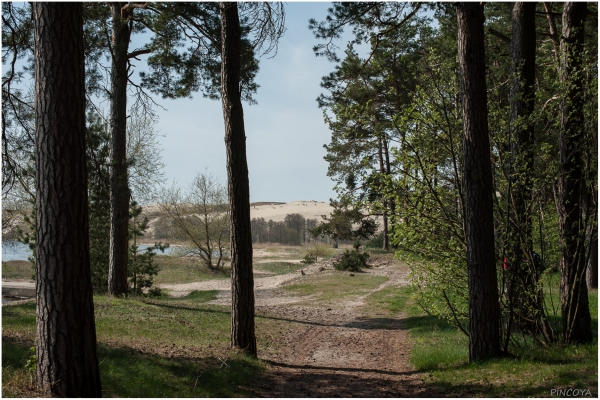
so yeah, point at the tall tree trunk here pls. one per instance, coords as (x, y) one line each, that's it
(242, 281)
(522, 103)
(576, 318)
(591, 276)
(119, 190)
(528, 300)
(67, 365)
(382, 171)
(484, 309)
(388, 171)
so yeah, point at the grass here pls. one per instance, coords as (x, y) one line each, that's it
(197, 296)
(278, 267)
(17, 270)
(150, 348)
(185, 270)
(283, 252)
(334, 285)
(440, 352)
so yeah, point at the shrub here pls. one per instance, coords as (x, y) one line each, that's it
(309, 258)
(155, 292)
(312, 254)
(352, 261)
(376, 242)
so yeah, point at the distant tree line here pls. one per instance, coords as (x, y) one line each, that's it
(294, 230)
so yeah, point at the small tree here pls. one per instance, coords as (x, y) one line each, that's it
(201, 214)
(313, 253)
(346, 222)
(142, 268)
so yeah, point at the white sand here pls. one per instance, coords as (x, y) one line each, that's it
(277, 212)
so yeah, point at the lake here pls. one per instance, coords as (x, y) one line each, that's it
(14, 250)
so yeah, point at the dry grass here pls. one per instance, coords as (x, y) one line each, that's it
(17, 270)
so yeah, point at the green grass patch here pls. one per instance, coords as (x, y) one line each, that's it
(185, 270)
(390, 300)
(334, 286)
(278, 267)
(149, 348)
(440, 351)
(17, 270)
(17, 381)
(127, 373)
(195, 296)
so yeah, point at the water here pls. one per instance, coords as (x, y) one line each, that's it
(14, 250)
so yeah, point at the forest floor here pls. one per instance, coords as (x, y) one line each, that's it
(337, 343)
(320, 333)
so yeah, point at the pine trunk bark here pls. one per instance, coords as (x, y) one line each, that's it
(242, 280)
(484, 309)
(67, 364)
(382, 171)
(525, 298)
(576, 319)
(591, 276)
(119, 189)
(522, 103)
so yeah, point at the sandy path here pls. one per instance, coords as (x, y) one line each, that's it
(260, 283)
(342, 352)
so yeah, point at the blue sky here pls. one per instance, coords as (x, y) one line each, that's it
(285, 130)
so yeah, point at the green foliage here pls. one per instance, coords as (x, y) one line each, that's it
(97, 152)
(293, 230)
(342, 222)
(396, 147)
(442, 291)
(313, 253)
(28, 237)
(376, 242)
(155, 292)
(141, 267)
(352, 260)
(31, 364)
(309, 258)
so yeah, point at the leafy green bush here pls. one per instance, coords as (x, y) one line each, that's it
(352, 261)
(309, 258)
(141, 267)
(376, 242)
(155, 292)
(312, 254)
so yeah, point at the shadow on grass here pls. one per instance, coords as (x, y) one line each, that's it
(197, 296)
(534, 373)
(15, 353)
(292, 381)
(342, 369)
(176, 306)
(125, 372)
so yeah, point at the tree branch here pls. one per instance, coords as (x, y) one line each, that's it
(136, 53)
(499, 35)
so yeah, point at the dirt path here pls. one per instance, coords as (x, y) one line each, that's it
(343, 357)
(329, 352)
(342, 352)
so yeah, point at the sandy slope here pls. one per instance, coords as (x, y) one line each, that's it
(277, 212)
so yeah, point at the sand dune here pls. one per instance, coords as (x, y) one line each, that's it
(277, 212)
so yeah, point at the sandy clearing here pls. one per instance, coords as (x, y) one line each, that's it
(264, 283)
